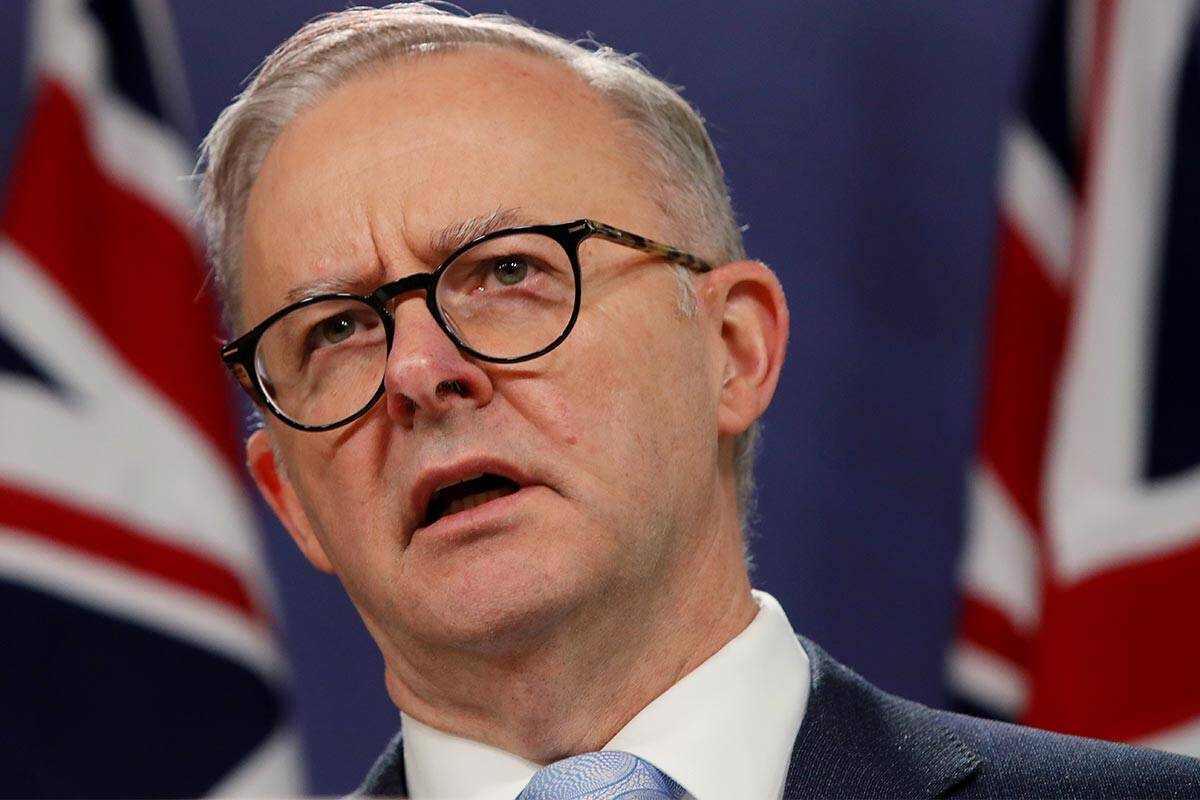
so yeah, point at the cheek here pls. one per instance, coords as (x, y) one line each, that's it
(349, 509)
(624, 393)
(590, 386)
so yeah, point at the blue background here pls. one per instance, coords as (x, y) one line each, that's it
(860, 143)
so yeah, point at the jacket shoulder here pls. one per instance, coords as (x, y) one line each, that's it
(857, 740)
(1017, 761)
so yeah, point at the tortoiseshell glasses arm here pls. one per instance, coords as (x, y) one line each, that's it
(672, 254)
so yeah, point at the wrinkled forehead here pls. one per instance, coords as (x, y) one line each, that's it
(360, 186)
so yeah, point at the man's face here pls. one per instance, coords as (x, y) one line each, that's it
(612, 436)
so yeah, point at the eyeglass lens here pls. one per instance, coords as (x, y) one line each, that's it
(505, 298)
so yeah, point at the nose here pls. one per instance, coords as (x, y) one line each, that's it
(427, 375)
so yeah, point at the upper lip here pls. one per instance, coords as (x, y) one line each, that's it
(433, 478)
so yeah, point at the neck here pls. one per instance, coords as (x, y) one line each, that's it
(576, 689)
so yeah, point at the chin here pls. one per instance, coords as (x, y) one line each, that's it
(499, 603)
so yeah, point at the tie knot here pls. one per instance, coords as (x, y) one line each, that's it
(600, 776)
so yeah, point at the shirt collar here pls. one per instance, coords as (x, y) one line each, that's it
(441, 766)
(726, 729)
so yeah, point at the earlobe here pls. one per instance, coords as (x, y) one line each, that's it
(277, 490)
(754, 329)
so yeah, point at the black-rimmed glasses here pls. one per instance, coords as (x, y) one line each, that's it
(506, 297)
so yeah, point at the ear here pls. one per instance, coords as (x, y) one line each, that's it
(748, 303)
(277, 490)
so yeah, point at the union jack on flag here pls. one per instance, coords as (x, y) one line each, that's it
(1081, 573)
(139, 659)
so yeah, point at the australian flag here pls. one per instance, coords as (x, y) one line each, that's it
(139, 659)
(1081, 574)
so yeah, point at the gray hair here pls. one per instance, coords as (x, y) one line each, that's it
(331, 49)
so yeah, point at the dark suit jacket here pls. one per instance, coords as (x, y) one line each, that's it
(858, 741)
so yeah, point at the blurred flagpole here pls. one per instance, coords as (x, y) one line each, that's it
(140, 659)
(1080, 576)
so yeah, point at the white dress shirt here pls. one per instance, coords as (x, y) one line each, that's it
(725, 730)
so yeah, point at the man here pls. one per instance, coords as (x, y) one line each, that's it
(490, 291)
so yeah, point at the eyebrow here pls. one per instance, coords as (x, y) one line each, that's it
(454, 236)
(327, 285)
(441, 244)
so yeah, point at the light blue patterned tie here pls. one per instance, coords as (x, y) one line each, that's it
(601, 776)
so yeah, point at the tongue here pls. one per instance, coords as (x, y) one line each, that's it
(477, 499)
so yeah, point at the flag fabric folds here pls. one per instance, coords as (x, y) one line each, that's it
(1080, 577)
(140, 660)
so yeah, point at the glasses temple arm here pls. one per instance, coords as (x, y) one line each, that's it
(672, 254)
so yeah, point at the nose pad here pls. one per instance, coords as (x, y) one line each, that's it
(427, 375)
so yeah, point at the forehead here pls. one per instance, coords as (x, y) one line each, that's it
(362, 181)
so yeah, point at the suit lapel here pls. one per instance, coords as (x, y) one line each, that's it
(387, 777)
(858, 741)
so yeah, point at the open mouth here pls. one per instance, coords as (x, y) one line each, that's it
(467, 494)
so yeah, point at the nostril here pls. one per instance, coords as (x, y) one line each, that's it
(447, 387)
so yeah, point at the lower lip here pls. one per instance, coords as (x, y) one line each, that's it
(477, 519)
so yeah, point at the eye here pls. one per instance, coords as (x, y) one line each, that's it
(334, 330)
(510, 270)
